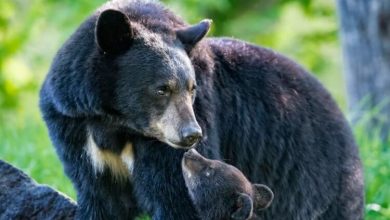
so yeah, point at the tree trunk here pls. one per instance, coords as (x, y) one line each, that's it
(365, 35)
(22, 198)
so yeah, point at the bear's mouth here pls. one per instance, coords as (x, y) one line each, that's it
(175, 142)
(178, 145)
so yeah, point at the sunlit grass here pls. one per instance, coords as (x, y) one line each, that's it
(375, 154)
(25, 144)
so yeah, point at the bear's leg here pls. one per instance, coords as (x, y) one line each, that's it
(100, 195)
(104, 186)
(104, 198)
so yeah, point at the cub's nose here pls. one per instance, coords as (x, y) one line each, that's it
(192, 154)
(193, 162)
(191, 135)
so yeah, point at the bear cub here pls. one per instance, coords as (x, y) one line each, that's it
(220, 191)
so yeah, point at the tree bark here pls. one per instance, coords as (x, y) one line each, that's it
(365, 36)
(22, 198)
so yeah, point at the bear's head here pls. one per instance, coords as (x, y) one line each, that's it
(155, 83)
(220, 191)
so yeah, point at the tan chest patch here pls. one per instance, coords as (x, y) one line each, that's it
(120, 165)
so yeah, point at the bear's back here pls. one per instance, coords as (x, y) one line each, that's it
(282, 128)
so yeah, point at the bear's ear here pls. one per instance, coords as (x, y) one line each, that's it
(113, 32)
(244, 206)
(191, 35)
(263, 196)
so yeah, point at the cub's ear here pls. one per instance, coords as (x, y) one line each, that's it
(113, 32)
(191, 35)
(263, 197)
(244, 206)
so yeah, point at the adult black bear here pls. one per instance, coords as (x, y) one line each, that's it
(134, 85)
(220, 191)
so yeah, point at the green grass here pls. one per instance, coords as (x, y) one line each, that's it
(376, 160)
(25, 144)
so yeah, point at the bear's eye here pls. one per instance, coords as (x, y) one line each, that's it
(193, 90)
(163, 91)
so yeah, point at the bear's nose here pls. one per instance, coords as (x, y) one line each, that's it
(191, 135)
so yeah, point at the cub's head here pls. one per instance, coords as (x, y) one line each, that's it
(154, 79)
(221, 191)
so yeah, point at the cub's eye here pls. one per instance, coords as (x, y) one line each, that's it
(209, 171)
(163, 91)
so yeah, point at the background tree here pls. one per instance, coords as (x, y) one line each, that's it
(365, 32)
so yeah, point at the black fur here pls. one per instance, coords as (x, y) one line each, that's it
(220, 191)
(258, 110)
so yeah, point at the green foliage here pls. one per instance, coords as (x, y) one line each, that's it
(31, 31)
(302, 30)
